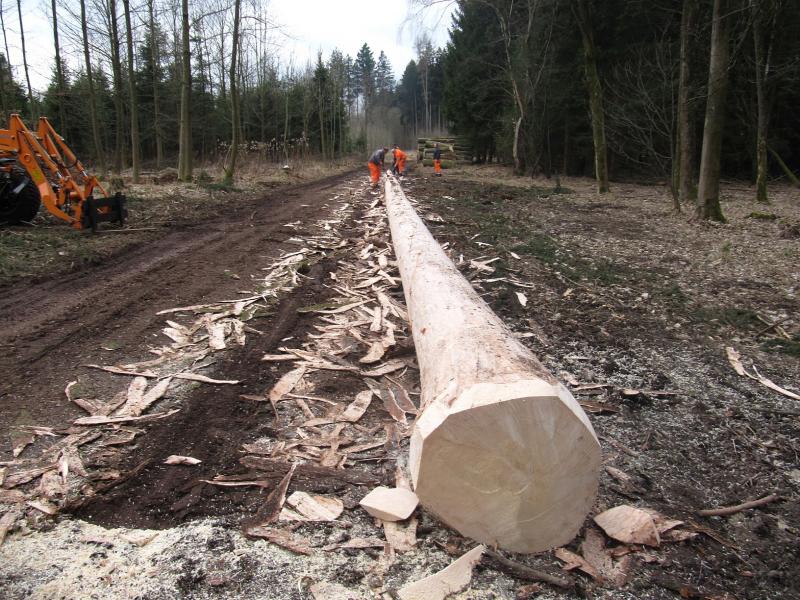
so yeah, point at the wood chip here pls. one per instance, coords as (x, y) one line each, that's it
(25, 475)
(325, 590)
(575, 561)
(307, 507)
(356, 409)
(175, 459)
(12, 496)
(121, 371)
(139, 538)
(629, 525)
(598, 556)
(216, 334)
(450, 580)
(271, 509)
(45, 507)
(341, 309)
(390, 504)
(522, 299)
(120, 437)
(100, 420)
(402, 537)
(7, 521)
(20, 440)
(138, 401)
(278, 357)
(735, 359)
(356, 544)
(375, 353)
(204, 379)
(390, 366)
(282, 538)
(286, 384)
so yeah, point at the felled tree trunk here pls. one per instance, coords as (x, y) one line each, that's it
(502, 452)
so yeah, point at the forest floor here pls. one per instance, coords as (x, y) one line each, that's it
(632, 306)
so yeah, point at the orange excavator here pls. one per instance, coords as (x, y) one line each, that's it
(39, 168)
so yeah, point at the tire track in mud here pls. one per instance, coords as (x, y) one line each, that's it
(53, 327)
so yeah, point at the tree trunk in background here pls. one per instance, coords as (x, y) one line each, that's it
(62, 115)
(686, 185)
(25, 62)
(762, 66)
(581, 10)
(708, 206)
(155, 63)
(98, 144)
(286, 127)
(132, 90)
(185, 139)
(233, 152)
(119, 107)
(5, 42)
(321, 102)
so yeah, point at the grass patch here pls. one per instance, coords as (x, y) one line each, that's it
(739, 318)
(763, 216)
(673, 294)
(790, 347)
(218, 186)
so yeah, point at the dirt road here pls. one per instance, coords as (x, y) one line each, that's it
(51, 328)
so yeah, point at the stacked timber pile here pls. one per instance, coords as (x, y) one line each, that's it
(454, 150)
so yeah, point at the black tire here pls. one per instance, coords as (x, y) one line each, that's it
(22, 206)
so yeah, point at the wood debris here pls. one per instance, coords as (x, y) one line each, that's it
(7, 522)
(401, 537)
(101, 420)
(450, 580)
(20, 440)
(286, 384)
(629, 525)
(281, 537)
(273, 505)
(390, 504)
(575, 561)
(730, 510)
(307, 507)
(175, 459)
(204, 379)
(325, 590)
(735, 360)
(121, 371)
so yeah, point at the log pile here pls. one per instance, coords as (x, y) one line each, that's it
(454, 150)
(501, 451)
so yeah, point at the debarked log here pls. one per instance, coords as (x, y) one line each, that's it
(501, 452)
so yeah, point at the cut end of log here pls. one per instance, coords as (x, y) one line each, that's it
(527, 490)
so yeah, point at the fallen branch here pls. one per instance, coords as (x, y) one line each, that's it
(730, 510)
(520, 571)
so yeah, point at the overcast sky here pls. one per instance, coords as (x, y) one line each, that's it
(309, 26)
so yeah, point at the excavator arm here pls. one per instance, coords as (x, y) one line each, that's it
(65, 187)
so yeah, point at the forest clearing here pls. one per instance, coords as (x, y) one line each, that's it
(521, 322)
(640, 337)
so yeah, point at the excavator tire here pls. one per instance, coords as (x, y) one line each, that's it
(16, 208)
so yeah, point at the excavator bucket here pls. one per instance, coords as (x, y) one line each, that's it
(98, 210)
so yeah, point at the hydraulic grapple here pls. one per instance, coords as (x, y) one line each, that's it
(38, 168)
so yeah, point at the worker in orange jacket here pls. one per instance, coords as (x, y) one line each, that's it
(437, 160)
(375, 165)
(399, 160)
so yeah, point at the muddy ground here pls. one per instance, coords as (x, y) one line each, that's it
(629, 304)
